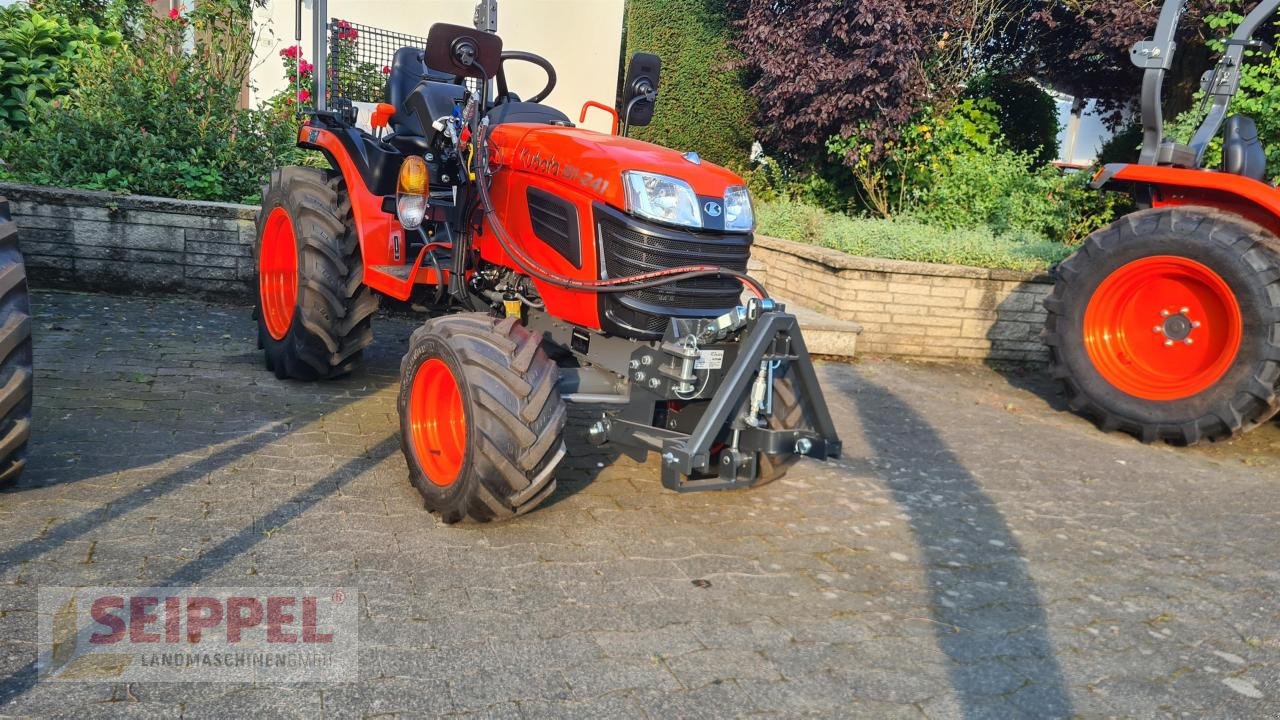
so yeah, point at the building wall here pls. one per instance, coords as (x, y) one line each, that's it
(581, 38)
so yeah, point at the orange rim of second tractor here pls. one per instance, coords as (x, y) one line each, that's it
(278, 273)
(437, 422)
(1163, 328)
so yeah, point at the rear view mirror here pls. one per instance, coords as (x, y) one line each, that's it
(640, 91)
(462, 51)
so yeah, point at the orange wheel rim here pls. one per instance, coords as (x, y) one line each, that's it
(1163, 328)
(278, 273)
(437, 422)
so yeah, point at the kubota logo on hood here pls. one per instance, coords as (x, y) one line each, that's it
(549, 165)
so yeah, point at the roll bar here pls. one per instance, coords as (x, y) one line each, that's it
(1155, 56)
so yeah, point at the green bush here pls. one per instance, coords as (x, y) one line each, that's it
(151, 117)
(37, 55)
(899, 239)
(1258, 98)
(952, 170)
(1028, 115)
(702, 104)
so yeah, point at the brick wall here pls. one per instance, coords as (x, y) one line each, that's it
(103, 241)
(123, 243)
(922, 310)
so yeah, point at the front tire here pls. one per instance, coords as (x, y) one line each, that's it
(481, 419)
(314, 312)
(1166, 325)
(15, 353)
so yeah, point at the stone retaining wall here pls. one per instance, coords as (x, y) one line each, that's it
(130, 243)
(125, 243)
(922, 310)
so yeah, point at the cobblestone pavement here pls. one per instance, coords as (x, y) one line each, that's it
(976, 554)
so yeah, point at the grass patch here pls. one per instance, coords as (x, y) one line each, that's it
(907, 240)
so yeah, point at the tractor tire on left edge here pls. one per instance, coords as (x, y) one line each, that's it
(15, 352)
(481, 419)
(314, 311)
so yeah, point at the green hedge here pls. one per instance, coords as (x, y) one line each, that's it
(702, 104)
(907, 240)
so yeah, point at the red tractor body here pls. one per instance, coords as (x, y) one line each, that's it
(562, 265)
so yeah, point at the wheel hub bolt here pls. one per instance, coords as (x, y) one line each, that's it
(1176, 327)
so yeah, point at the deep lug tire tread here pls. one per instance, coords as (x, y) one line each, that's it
(790, 411)
(16, 374)
(332, 322)
(1237, 403)
(515, 429)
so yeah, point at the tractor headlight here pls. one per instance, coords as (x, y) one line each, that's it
(661, 198)
(411, 192)
(738, 214)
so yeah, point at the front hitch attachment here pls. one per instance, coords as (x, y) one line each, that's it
(703, 396)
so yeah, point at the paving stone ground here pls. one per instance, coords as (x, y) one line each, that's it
(977, 553)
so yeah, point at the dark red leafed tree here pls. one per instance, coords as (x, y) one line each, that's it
(860, 69)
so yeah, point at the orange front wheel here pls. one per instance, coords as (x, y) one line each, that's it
(481, 419)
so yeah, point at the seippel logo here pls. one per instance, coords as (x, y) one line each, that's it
(186, 634)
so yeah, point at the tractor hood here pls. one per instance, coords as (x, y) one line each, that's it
(593, 162)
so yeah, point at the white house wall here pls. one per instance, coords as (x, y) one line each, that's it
(581, 38)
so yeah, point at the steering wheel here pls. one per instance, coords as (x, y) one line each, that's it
(504, 94)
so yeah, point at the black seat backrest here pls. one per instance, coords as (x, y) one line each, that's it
(1242, 152)
(408, 68)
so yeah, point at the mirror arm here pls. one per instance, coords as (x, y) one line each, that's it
(645, 92)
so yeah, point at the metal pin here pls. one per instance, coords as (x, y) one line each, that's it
(1157, 329)
(1195, 323)
(1185, 310)
(1164, 313)
(1187, 341)
(1168, 343)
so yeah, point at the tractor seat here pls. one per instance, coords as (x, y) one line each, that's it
(527, 112)
(407, 70)
(1242, 153)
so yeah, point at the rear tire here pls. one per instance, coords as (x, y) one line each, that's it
(1128, 302)
(320, 325)
(481, 419)
(15, 353)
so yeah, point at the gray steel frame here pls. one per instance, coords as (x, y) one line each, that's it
(1155, 56)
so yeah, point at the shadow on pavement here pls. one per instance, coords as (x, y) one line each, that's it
(989, 619)
(250, 535)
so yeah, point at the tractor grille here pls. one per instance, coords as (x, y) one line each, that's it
(630, 247)
(555, 222)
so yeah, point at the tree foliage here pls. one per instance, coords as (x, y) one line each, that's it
(1027, 114)
(1082, 47)
(859, 70)
(702, 105)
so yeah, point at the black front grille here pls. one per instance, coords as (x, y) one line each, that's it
(630, 247)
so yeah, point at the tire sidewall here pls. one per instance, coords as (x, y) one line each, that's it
(451, 497)
(277, 197)
(1205, 247)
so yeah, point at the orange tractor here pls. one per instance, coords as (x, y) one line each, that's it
(1166, 324)
(560, 265)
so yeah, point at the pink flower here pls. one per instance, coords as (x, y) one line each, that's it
(174, 14)
(352, 34)
(305, 67)
(292, 51)
(304, 95)
(344, 24)
(386, 70)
